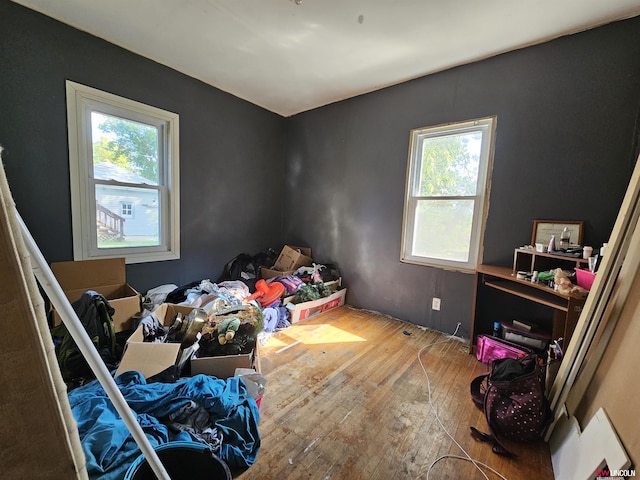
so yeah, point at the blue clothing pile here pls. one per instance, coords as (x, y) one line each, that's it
(109, 447)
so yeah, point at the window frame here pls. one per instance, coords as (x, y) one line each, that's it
(81, 100)
(128, 205)
(487, 126)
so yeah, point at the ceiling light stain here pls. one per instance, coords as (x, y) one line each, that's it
(360, 19)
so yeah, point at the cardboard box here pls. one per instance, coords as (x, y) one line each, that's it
(149, 358)
(105, 276)
(315, 307)
(333, 286)
(223, 366)
(266, 273)
(292, 258)
(289, 260)
(152, 358)
(165, 312)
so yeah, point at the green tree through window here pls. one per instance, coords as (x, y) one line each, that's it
(445, 199)
(126, 143)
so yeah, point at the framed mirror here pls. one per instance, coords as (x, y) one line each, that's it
(543, 229)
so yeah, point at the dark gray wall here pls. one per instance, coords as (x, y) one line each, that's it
(565, 148)
(333, 178)
(230, 150)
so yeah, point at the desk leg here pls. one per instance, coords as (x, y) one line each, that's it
(477, 284)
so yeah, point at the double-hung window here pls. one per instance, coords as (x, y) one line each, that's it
(447, 193)
(124, 164)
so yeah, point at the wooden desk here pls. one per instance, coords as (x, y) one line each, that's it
(500, 296)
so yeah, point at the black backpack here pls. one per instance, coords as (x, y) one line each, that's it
(94, 312)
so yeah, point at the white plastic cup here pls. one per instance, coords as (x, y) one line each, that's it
(586, 252)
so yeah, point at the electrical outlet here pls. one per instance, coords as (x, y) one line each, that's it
(435, 303)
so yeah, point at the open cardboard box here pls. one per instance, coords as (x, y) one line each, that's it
(308, 309)
(105, 276)
(289, 260)
(165, 313)
(152, 358)
(266, 273)
(225, 366)
(149, 358)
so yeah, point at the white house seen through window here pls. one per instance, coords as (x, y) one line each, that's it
(446, 193)
(124, 177)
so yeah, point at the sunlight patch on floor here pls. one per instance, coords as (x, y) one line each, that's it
(312, 335)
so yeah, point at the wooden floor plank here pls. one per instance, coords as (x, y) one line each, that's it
(348, 399)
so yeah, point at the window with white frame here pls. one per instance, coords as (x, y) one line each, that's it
(126, 209)
(123, 158)
(447, 193)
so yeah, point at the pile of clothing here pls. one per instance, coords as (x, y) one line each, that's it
(230, 295)
(203, 409)
(228, 317)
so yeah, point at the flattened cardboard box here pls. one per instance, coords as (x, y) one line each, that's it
(105, 276)
(152, 358)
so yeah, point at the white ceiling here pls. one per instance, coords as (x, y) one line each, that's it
(290, 56)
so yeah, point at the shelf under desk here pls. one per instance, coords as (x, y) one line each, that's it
(503, 279)
(566, 309)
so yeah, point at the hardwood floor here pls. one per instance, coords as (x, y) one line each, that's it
(347, 398)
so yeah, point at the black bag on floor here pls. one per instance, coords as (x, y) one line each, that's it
(94, 312)
(246, 268)
(512, 398)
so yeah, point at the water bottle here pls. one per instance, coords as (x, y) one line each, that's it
(603, 249)
(496, 329)
(565, 237)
